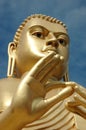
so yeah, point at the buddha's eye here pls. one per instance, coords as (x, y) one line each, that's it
(38, 34)
(62, 41)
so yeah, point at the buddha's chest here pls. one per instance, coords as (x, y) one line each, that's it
(8, 88)
(57, 118)
(5, 101)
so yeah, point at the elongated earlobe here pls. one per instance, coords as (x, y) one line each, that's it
(11, 60)
(66, 76)
(11, 66)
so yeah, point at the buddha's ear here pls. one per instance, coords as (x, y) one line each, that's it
(11, 59)
(11, 48)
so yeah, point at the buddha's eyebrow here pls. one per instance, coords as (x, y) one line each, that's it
(38, 26)
(61, 33)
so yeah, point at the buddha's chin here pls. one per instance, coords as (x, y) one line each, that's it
(58, 76)
(59, 72)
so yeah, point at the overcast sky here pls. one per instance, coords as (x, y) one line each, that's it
(71, 12)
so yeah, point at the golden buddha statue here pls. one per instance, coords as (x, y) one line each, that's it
(37, 93)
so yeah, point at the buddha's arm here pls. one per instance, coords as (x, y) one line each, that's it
(9, 120)
(29, 102)
(16, 115)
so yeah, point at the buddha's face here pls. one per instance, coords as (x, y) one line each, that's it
(38, 38)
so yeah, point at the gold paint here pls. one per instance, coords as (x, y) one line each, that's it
(37, 93)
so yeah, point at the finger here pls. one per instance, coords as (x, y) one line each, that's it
(40, 64)
(54, 85)
(66, 92)
(51, 71)
(81, 91)
(47, 76)
(80, 100)
(70, 108)
(82, 112)
(73, 103)
(77, 110)
(46, 70)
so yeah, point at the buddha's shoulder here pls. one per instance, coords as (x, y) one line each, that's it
(8, 85)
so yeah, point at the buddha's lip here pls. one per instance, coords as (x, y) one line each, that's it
(50, 49)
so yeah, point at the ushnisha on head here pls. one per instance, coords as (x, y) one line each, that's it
(37, 33)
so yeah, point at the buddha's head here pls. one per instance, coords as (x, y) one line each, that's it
(35, 37)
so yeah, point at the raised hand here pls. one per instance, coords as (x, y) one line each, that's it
(29, 100)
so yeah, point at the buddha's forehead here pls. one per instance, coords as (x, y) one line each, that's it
(51, 26)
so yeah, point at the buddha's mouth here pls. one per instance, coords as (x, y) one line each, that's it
(49, 49)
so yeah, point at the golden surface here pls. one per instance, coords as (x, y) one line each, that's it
(37, 95)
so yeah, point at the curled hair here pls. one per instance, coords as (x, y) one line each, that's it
(21, 27)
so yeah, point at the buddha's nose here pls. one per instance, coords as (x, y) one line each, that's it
(52, 40)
